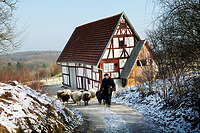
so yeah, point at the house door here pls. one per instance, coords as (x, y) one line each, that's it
(73, 77)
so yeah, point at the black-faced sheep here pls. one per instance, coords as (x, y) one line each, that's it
(99, 96)
(65, 97)
(76, 96)
(59, 94)
(86, 96)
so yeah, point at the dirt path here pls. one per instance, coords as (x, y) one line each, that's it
(101, 119)
(117, 118)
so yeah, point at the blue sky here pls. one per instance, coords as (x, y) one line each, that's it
(50, 23)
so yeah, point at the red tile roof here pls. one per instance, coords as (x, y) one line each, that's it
(88, 41)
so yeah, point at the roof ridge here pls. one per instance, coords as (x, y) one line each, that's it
(100, 19)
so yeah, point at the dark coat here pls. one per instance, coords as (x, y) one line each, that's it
(107, 84)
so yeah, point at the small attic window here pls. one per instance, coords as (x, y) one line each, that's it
(138, 63)
(123, 25)
(121, 43)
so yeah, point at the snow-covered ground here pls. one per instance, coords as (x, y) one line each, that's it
(25, 110)
(113, 122)
(182, 118)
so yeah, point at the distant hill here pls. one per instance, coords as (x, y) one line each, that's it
(30, 57)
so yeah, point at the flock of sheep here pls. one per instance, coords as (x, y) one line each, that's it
(75, 95)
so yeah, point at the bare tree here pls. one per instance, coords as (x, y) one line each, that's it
(175, 40)
(10, 38)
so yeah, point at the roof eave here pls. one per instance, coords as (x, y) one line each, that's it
(126, 77)
(76, 62)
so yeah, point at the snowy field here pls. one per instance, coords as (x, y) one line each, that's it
(182, 118)
(25, 110)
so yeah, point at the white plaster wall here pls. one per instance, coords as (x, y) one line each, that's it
(80, 71)
(117, 52)
(80, 82)
(111, 54)
(66, 79)
(95, 69)
(105, 54)
(88, 66)
(115, 42)
(63, 63)
(71, 64)
(129, 50)
(89, 75)
(64, 69)
(122, 63)
(118, 83)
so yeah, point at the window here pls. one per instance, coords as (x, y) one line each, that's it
(111, 67)
(123, 25)
(115, 75)
(138, 63)
(121, 43)
(108, 67)
(122, 63)
(88, 81)
(144, 62)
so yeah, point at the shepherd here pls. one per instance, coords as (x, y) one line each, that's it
(107, 87)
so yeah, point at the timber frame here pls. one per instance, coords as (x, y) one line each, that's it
(110, 45)
(86, 76)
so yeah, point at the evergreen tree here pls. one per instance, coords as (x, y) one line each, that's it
(44, 65)
(19, 66)
(9, 67)
(9, 64)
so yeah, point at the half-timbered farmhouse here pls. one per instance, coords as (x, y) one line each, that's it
(110, 45)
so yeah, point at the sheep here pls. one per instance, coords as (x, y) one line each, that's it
(74, 90)
(65, 97)
(99, 96)
(86, 95)
(73, 94)
(59, 94)
(76, 96)
(81, 90)
(68, 91)
(93, 93)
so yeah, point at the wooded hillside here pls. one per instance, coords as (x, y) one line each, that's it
(29, 57)
(29, 66)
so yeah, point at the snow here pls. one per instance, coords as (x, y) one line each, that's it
(113, 122)
(20, 106)
(168, 118)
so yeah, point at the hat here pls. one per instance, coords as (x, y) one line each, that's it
(106, 74)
